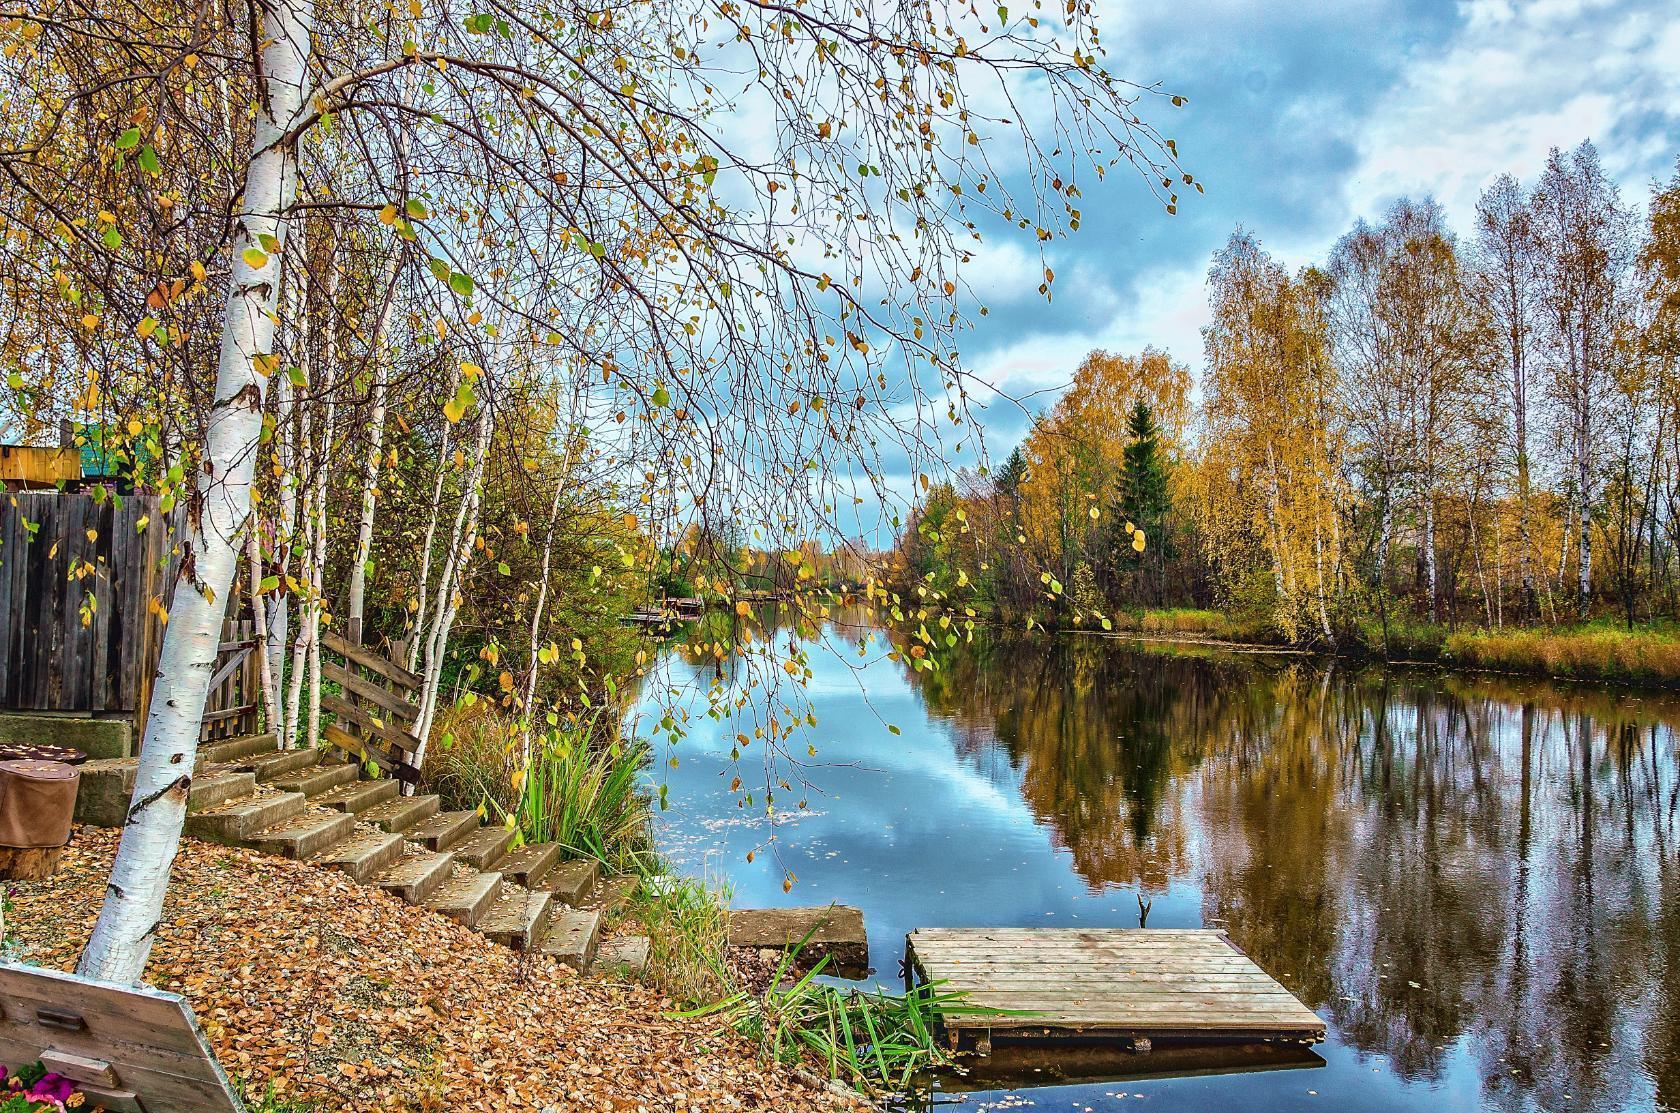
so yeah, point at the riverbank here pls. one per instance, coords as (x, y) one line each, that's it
(1598, 653)
(1603, 652)
(319, 995)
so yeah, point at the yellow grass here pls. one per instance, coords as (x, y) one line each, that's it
(1596, 653)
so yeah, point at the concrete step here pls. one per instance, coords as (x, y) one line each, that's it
(272, 766)
(442, 830)
(467, 896)
(571, 937)
(316, 779)
(612, 894)
(573, 882)
(621, 956)
(416, 875)
(216, 789)
(519, 919)
(401, 812)
(305, 834)
(363, 854)
(102, 797)
(237, 820)
(482, 848)
(356, 797)
(530, 864)
(234, 749)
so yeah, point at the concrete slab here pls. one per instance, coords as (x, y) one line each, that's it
(835, 930)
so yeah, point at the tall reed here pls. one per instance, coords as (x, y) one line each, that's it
(580, 787)
(588, 797)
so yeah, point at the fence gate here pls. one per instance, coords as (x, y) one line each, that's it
(235, 686)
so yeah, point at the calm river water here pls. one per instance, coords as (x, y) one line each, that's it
(1472, 880)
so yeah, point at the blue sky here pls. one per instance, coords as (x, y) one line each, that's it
(1303, 117)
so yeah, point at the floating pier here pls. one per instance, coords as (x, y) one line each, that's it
(1106, 984)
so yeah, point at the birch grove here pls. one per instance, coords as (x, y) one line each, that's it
(1421, 433)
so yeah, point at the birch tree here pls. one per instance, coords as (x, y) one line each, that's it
(219, 510)
(1587, 250)
(1506, 283)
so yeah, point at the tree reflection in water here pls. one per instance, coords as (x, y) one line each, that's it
(1423, 860)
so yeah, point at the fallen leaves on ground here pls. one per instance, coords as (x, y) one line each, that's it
(344, 997)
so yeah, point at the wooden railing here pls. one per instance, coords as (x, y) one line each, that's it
(376, 711)
(235, 686)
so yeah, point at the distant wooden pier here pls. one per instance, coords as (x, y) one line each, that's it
(1107, 984)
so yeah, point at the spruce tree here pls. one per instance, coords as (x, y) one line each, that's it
(1145, 502)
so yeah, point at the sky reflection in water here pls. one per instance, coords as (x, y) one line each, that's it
(1471, 879)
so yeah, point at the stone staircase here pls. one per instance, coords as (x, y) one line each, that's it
(311, 805)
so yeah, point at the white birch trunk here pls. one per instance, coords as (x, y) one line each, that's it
(303, 518)
(1431, 575)
(464, 537)
(355, 597)
(122, 937)
(300, 648)
(259, 619)
(318, 555)
(542, 602)
(419, 626)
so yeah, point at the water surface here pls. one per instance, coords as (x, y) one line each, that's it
(1472, 880)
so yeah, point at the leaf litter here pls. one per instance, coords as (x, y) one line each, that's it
(332, 995)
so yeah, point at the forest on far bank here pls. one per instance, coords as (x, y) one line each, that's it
(1453, 427)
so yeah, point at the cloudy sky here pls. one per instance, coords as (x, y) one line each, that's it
(1303, 116)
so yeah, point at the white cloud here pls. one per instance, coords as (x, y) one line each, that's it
(1516, 81)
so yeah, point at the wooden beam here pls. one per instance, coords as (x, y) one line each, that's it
(362, 717)
(358, 747)
(372, 692)
(373, 662)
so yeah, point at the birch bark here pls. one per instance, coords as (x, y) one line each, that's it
(464, 537)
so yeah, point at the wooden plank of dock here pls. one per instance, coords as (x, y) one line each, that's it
(1108, 983)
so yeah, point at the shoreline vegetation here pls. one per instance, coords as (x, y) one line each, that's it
(1598, 652)
(581, 786)
(1432, 443)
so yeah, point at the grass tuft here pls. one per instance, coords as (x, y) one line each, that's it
(874, 1042)
(688, 938)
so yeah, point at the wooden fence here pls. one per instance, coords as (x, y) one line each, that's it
(236, 685)
(83, 584)
(80, 581)
(376, 708)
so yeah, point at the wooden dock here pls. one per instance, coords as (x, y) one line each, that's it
(1106, 984)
